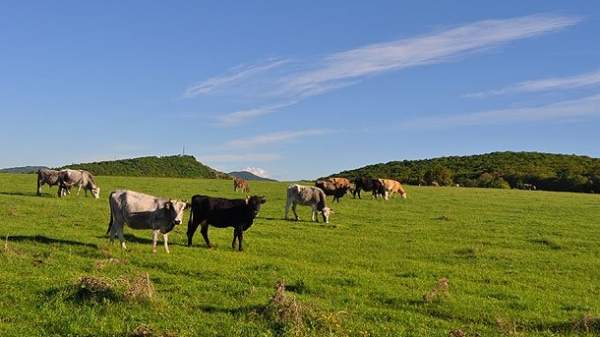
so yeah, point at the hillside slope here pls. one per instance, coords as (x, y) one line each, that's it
(168, 166)
(248, 176)
(22, 169)
(558, 172)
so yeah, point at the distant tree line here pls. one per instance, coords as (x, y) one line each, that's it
(525, 170)
(168, 166)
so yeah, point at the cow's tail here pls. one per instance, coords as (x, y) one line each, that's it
(110, 224)
(191, 220)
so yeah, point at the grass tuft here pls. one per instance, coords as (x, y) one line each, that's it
(457, 333)
(138, 288)
(95, 288)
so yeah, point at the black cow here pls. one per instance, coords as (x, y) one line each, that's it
(368, 184)
(222, 213)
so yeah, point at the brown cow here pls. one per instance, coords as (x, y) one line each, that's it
(337, 187)
(392, 186)
(240, 184)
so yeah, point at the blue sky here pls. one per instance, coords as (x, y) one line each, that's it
(296, 90)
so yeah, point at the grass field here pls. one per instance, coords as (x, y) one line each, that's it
(517, 262)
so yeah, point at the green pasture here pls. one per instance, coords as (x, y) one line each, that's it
(525, 263)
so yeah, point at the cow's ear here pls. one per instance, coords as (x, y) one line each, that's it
(263, 200)
(188, 205)
(168, 205)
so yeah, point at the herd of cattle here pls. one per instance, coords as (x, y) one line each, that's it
(143, 211)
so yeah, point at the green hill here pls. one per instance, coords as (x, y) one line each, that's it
(22, 169)
(248, 176)
(168, 166)
(547, 171)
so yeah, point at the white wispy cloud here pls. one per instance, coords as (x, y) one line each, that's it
(238, 117)
(258, 171)
(564, 110)
(232, 77)
(239, 157)
(293, 81)
(546, 84)
(275, 137)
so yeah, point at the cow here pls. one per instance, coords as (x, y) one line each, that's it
(143, 211)
(222, 213)
(80, 178)
(307, 196)
(368, 184)
(240, 184)
(46, 176)
(330, 188)
(392, 186)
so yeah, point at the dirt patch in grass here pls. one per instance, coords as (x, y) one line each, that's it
(144, 330)
(101, 264)
(438, 291)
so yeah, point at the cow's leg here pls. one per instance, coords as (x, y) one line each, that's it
(166, 241)
(315, 216)
(235, 234)
(78, 189)
(122, 238)
(154, 240)
(294, 210)
(204, 231)
(240, 239)
(287, 208)
(192, 226)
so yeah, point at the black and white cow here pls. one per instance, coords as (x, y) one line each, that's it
(307, 196)
(143, 211)
(222, 213)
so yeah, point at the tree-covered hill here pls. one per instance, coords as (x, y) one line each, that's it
(547, 171)
(168, 166)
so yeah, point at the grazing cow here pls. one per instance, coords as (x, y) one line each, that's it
(240, 184)
(80, 178)
(222, 213)
(46, 176)
(307, 196)
(392, 186)
(142, 211)
(330, 188)
(368, 184)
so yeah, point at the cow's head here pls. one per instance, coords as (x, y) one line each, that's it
(174, 210)
(96, 192)
(254, 202)
(326, 211)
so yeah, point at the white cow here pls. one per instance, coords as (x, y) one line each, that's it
(80, 178)
(142, 211)
(307, 196)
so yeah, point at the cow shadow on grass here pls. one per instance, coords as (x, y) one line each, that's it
(137, 239)
(48, 240)
(244, 310)
(23, 194)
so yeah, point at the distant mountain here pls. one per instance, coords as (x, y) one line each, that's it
(248, 176)
(22, 169)
(547, 171)
(168, 166)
